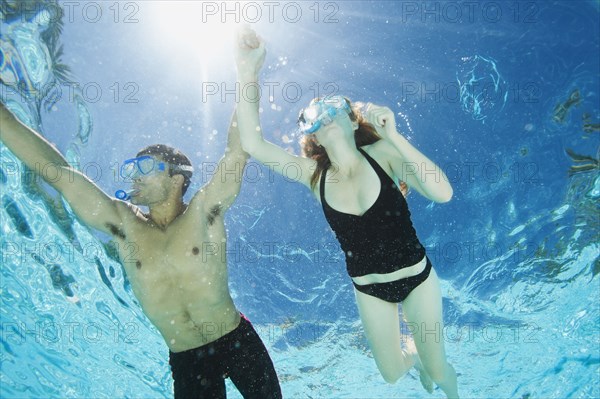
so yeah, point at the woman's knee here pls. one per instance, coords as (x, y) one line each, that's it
(391, 375)
(438, 372)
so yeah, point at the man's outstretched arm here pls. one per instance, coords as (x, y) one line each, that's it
(224, 186)
(90, 204)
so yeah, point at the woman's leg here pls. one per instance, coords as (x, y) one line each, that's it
(382, 327)
(422, 309)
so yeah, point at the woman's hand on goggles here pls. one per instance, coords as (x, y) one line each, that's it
(382, 118)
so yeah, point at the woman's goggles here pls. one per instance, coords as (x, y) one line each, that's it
(322, 113)
(146, 165)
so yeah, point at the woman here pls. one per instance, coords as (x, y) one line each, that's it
(351, 164)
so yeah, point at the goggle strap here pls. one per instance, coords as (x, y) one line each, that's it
(184, 168)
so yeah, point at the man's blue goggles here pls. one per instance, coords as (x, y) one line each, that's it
(146, 165)
(322, 113)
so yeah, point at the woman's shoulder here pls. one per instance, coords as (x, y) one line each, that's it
(381, 149)
(384, 153)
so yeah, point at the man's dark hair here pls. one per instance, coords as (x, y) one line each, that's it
(175, 158)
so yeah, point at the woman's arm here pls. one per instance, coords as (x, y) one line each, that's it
(408, 163)
(250, 55)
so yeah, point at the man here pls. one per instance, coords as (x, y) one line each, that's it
(182, 289)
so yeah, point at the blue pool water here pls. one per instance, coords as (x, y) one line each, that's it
(505, 96)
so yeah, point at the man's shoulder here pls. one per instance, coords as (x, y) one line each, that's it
(130, 209)
(202, 210)
(130, 213)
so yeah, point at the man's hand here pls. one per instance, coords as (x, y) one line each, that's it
(250, 52)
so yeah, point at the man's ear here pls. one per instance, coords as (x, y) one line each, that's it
(178, 180)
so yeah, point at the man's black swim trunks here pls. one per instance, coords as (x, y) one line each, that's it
(239, 355)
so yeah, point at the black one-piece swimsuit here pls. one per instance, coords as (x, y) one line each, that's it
(382, 240)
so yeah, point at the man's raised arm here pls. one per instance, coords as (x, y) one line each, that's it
(225, 184)
(90, 204)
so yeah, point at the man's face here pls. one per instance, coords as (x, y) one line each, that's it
(150, 178)
(150, 190)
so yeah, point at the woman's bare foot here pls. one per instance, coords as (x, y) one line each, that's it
(426, 381)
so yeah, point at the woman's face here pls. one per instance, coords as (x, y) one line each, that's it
(327, 119)
(340, 127)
